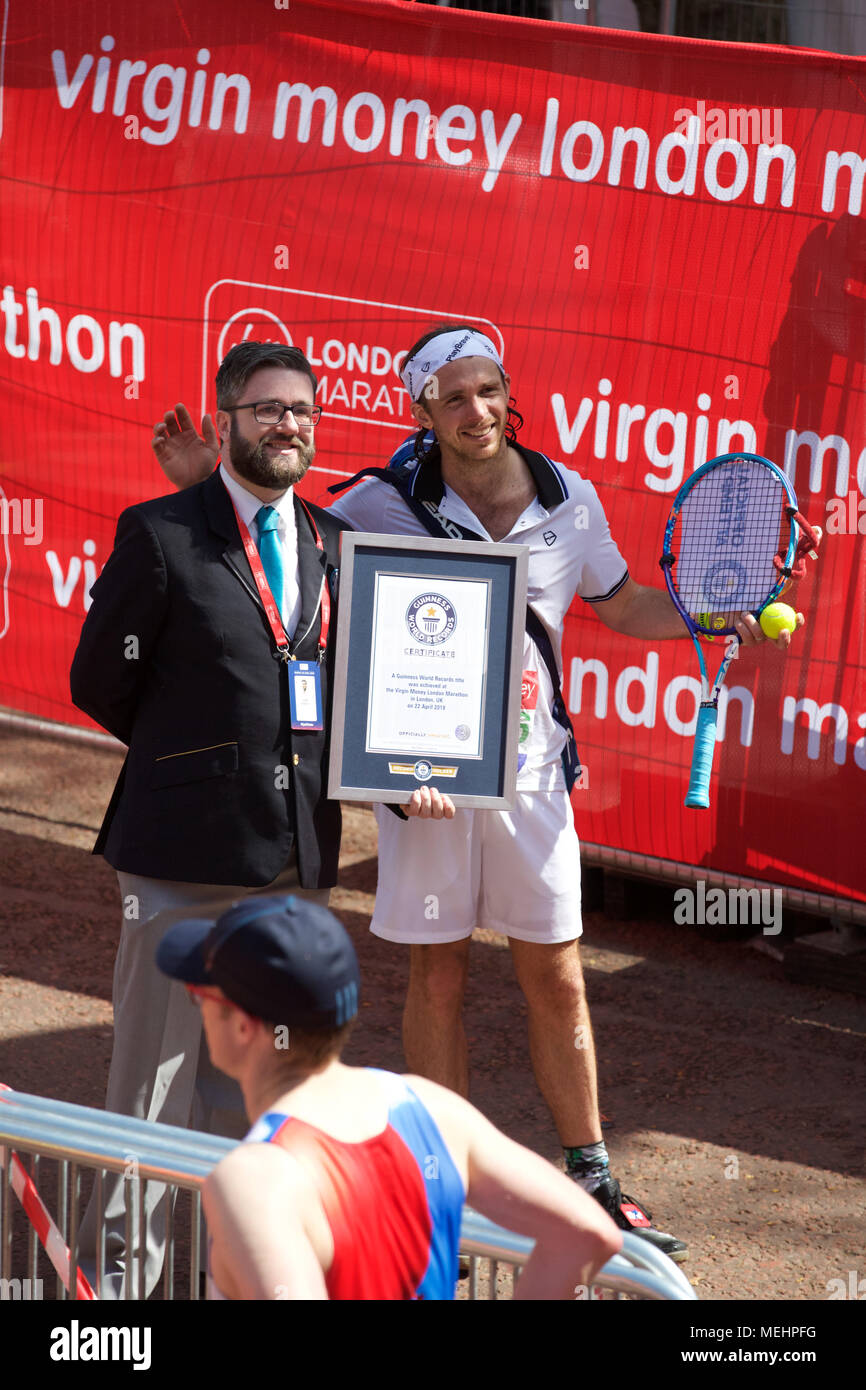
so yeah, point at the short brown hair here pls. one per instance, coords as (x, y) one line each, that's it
(313, 1047)
(244, 359)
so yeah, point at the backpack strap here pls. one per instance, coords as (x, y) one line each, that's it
(570, 757)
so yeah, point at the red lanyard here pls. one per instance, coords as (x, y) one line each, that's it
(267, 598)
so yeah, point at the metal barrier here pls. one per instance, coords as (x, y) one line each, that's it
(639, 1271)
(79, 1138)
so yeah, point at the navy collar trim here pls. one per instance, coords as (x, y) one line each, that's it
(427, 485)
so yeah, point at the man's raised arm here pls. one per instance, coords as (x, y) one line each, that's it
(184, 455)
(521, 1191)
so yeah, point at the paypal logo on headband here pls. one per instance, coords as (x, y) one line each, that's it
(445, 347)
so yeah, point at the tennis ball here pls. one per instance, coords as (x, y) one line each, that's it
(776, 618)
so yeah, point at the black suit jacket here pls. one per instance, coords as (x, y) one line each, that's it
(176, 659)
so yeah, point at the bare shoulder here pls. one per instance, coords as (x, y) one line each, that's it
(265, 1230)
(260, 1164)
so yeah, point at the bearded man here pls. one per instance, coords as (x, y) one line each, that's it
(213, 606)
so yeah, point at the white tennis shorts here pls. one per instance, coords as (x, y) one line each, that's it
(516, 872)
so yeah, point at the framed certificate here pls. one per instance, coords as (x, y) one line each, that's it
(428, 668)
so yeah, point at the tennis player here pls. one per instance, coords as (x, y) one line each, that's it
(351, 1182)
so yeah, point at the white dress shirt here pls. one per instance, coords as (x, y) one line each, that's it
(247, 506)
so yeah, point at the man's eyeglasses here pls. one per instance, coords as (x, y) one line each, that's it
(272, 412)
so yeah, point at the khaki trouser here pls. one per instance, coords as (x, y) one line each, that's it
(160, 1069)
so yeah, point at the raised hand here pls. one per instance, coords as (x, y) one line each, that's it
(184, 455)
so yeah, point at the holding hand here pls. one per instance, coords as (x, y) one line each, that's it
(184, 455)
(430, 804)
(751, 633)
(749, 628)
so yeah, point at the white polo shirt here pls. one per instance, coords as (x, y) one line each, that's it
(570, 552)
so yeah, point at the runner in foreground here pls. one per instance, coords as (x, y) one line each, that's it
(351, 1182)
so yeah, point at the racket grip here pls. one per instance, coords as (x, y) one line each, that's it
(698, 793)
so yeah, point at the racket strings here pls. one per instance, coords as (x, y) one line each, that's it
(731, 526)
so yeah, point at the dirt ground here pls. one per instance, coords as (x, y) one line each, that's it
(737, 1096)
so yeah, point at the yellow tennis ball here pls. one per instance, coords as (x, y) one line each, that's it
(776, 618)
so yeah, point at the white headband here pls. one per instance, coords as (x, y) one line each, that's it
(445, 347)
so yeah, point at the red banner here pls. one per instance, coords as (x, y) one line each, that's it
(666, 235)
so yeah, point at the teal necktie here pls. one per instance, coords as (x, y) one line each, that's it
(271, 551)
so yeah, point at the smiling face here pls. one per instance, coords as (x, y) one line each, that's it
(271, 457)
(466, 403)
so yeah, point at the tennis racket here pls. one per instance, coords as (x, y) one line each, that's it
(733, 540)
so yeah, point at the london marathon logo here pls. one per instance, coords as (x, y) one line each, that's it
(431, 619)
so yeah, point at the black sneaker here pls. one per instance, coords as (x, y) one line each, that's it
(629, 1215)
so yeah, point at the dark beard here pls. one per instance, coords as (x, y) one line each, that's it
(255, 465)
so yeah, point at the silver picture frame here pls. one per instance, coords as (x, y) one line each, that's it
(484, 773)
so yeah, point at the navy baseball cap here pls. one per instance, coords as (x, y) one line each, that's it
(280, 958)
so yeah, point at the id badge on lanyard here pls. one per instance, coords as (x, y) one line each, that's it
(305, 694)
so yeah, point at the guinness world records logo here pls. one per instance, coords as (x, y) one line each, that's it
(431, 619)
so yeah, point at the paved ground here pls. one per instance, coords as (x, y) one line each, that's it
(737, 1096)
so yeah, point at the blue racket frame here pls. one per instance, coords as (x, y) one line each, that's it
(698, 794)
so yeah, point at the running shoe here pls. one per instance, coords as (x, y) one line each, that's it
(629, 1215)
